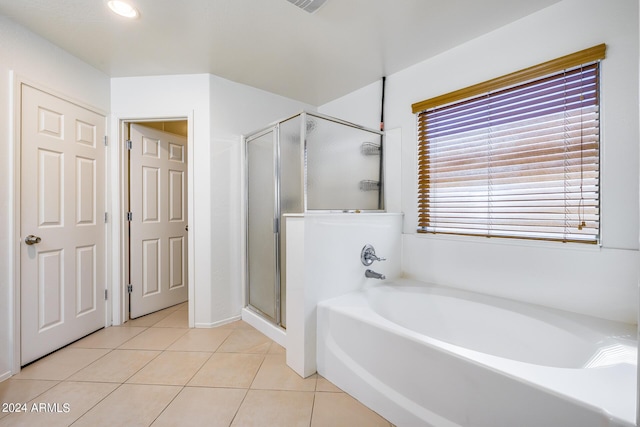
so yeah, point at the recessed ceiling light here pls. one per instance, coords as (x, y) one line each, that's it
(123, 8)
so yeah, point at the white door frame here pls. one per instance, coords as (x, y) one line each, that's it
(115, 313)
(117, 204)
(15, 135)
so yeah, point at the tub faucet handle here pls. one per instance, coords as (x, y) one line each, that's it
(368, 255)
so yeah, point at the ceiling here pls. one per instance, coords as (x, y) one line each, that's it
(268, 44)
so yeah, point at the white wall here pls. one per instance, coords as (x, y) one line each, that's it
(323, 261)
(35, 60)
(600, 281)
(222, 111)
(362, 106)
(175, 96)
(236, 110)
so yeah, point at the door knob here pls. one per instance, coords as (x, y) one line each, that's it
(32, 240)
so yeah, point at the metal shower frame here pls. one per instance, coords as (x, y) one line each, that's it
(275, 128)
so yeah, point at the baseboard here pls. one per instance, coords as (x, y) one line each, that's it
(5, 376)
(218, 323)
(272, 331)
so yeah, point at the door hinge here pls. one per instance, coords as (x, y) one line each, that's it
(276, 225)
(129, 144)
(106, 217)
(129, 216)
(106, 141)
(129, 288)
(106, 294)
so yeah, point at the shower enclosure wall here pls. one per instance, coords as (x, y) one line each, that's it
(308, 162)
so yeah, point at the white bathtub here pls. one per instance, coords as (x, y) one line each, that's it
(426, 355)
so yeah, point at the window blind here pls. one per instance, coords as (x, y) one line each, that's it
(518, 162)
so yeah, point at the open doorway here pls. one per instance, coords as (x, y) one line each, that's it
(156, 227)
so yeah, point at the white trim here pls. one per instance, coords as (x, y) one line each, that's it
(14, 200)
(218, 323)
(118, 251)
(242, 256)
(15, 148)
(272, 331)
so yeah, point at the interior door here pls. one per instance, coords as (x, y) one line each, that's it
(62, 225)
(158, 226)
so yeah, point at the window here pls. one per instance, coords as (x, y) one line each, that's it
(517, 156)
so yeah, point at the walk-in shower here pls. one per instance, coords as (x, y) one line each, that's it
(308, 162)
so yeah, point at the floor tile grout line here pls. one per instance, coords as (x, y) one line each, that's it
(246, 390)
(183, 387)
(114, 382)
(145, 365)
(313, 406)
(235, 414)
(155, 349)
(226, 387)
(120, 384)
(200, 368)
(68, 379)
(85, 367)
(168, 404)
(58, 382)
(97, 403)
(257, 371)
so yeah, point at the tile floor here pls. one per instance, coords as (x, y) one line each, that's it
(155, 371)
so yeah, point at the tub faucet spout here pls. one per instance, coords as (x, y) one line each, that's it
(373, 275)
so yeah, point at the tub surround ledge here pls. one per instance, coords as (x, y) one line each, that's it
(323, 261)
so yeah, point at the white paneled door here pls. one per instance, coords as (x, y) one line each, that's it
(62, 223)
(158, 226)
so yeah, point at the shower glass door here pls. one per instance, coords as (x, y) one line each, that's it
(304, 163)
(262, 238)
